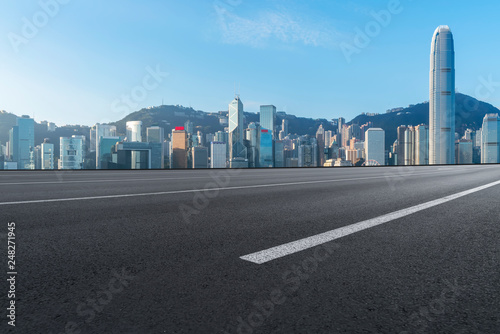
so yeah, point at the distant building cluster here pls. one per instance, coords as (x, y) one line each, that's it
(269, 143)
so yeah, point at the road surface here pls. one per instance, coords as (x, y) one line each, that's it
(333, 250)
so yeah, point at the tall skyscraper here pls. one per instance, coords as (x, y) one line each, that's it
(252, 136)
(279, 153)
(237, 150)
(268, 119)
(265, 149)
(400, 148)
(490, 141)
(442, 98)
(409, 146)
(422, 145)
(284, 126)
(100, 131)
(47, 155)
(155, 134)
(218, 158)
(320, 138)
(179, 148)
(464, 152)
(200, 157)
(134, 131)
(71, 152)
(134, 134)
(340, 123)
(189, 127)
(22, 141)
(105, 147)
(375, 145)
(328, 138)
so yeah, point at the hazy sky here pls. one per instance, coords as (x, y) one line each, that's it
(96, 61)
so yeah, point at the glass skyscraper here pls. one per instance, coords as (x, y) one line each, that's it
(266, 149)
(442, 98)
(22, 141)
(237, 149)
(268, 119)
(375, 146)
(490, 146)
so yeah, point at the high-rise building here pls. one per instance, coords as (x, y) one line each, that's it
(400, 148)
(375, 145)
(265, 148)
(97, 132)
(51, 127)
(155, 134)
(71, 152)
(200, 157)
(47, 155)
(490, 141)
(409, 146)
(340, 123)
(105, 151)
(218, 158)
(320, 138)
(307, 155)
(279, 153)
(421, 145)
(268, 119)
(284, 126)
(149, 155)
(353, 131)
(252, 141)
(179, 148)
(479, 138)
(134, 135)
(328, 138)
(442, 98)
(134, 131)
(189, 127)
(22, 142)
(464, 152)
(223, 137)
(363, 128)
(237, 150)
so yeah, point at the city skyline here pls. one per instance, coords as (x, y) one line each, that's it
(52, 80)
(251, 144)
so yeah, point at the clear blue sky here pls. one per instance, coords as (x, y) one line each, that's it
(80, 62)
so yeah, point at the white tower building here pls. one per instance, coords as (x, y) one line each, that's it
(442, 98)
(375, 145)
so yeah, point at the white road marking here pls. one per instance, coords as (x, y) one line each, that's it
(201, 190)
(319, 239)
(136, 179)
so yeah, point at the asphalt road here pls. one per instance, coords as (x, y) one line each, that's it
(164, 251)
